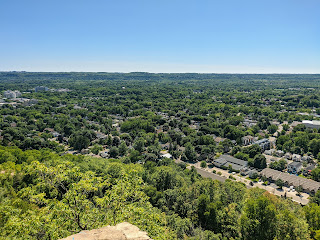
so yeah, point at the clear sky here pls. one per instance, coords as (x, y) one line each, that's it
(225, 36)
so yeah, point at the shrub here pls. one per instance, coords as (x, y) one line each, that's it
(203, 164)
(231, 177)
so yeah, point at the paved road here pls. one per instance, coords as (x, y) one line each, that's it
(205, 173)
(209, 174)
(213, 176)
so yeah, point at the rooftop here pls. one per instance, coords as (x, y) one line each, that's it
(295, 164)
(291, 180)
(264, 140)
(314, 122)
(226, 160)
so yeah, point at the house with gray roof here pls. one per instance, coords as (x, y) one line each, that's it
(225, 161)
(305, 158)
(307, 170)
(263, 143)
(294, 167)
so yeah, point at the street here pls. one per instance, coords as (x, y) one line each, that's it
(208, 173)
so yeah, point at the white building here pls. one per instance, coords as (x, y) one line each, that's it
(296, 157)
(166, 155)
(311, 124)
(12, 94)
(41, 89)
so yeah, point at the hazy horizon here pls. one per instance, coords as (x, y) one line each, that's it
(166, 69)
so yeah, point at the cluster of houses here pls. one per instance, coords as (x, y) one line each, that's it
(238, 165)
(288, 156)
(296, 166)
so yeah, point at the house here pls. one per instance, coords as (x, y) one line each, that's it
(294, 167)
(225, 161)
(244, 171)
(219, 139)
(288, 156)
(307, 185)
(253, 173)
(101, 135)
(247, 140)
(104, 154)
(85, 151)
(166, 155)
(249, 122)
(279, 153)
(55, 134)
(269, 152)
(305, 158)
(165, 146)
(307, 170)
(296, 157)
(263, 143)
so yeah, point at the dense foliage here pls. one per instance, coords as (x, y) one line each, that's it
(46, 192)
(46, 196)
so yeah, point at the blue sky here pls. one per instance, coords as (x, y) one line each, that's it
(247, 36)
